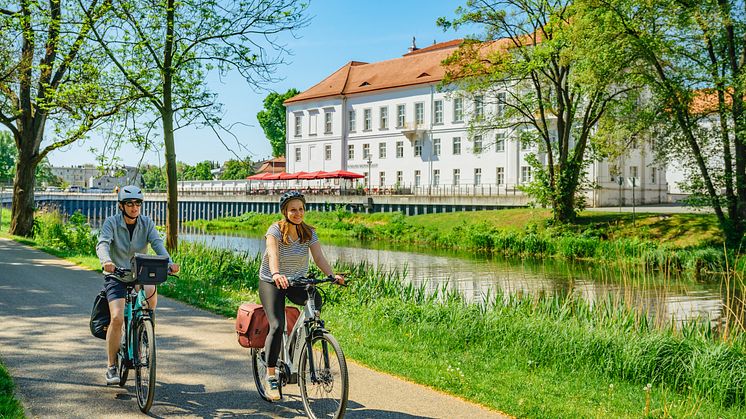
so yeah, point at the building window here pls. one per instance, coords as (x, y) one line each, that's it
(399, 149)
(297, 153)
(381, 179)
(479, 106)
(501, 104)
(458, 110)
(384, 121)
(417, 177)
(399, 177)
(419, 113)
(327, 122)
(478, 176)
(381, 150)
(401, 115)
(438, 112)
(653, 175)
(500, 142)
(327, 152)
(298, 122)
(525, 144)
(366, 151)
(417, 148)
(500, 178)
(456, 146)
(436, 146)
(477, 144)
(352, 120)
(350, 152)
(367, 123)
(633, 172)
(312, 121)
(436, 177)
(456, 177)
(525, 174)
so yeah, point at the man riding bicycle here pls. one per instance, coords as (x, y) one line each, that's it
(123, 235)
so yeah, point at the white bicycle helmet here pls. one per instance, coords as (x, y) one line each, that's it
(130, 193)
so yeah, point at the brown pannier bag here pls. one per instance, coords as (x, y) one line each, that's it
(252, 325)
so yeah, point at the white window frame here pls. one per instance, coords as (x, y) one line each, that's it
(418, 148)
(298, 131)
(456, 146)
(399, 149)
(526, 176)
(436, 177)
(438, 112)
(456, 177)
(367, 119)
(366, 151)
(436, 146)
(297, 154)
(500, 176)
(401, 115)
(352, 120)
(328, 122)
(458, 109)
(383, 117)
(327, 152)
(499, 142)
(351, 152)
(381, 150)
(419, 113)
(478, 144)
(477, 176)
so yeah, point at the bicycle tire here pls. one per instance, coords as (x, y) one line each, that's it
(326, 398)
(145, 364)
(122, 360)
(259, 370)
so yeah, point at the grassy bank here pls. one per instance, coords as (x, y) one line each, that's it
(530, 357)
(671, 242)
(9, 407)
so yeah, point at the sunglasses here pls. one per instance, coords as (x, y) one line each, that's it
(130, 204)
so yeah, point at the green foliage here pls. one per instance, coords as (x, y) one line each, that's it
(75, 235)
(154, 178)
(9, 407)
(272, 119)
(8, 154)
(236, 169)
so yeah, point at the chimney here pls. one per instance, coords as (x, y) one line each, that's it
(413, 47)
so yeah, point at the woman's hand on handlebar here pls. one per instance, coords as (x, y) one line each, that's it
(339, 279)
(281, 281)
(173, 268)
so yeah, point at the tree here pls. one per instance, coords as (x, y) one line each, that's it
(153, 178)
(236, 169)
(273, 121)
(545, 85)
(165, 49)
(693, 55)
(7, 157)
(203, 170)
(49, 74)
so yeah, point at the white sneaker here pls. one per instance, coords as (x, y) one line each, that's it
(273, 388)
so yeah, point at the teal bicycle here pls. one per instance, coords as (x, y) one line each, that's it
(137, 350)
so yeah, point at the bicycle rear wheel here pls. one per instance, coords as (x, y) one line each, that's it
(259, 368)
(145, 364)
(326, 396)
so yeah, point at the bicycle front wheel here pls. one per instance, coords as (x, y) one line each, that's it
(325, 395)
(145, 364)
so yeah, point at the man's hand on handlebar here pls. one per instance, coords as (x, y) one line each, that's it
(109, 267)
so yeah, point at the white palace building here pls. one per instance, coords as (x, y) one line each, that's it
(389, 121)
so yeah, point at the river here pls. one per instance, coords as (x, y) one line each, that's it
(477, 276)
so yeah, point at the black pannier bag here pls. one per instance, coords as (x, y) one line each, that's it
(149, 269)
(100, 316)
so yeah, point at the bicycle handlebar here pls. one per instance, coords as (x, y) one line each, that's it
(302, 281)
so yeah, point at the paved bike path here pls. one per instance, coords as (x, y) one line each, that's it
(58, 367)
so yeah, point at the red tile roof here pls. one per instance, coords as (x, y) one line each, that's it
(418, 67)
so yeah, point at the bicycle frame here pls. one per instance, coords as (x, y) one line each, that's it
(308, 325)
(134, 310)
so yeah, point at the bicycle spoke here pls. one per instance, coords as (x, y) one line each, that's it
(325, 395)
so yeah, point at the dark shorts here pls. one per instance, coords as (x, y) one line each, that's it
(114, 289)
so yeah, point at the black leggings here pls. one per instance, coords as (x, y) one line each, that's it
(273, 301)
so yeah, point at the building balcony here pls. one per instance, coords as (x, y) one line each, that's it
(413, 131)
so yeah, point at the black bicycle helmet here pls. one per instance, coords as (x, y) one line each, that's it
(289, 196)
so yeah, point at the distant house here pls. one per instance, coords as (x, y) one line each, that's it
(90, 176)
(275, 165)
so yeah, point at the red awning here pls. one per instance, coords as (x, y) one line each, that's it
(311, 175)
(286, 176)
(344, 174)
(259, 176)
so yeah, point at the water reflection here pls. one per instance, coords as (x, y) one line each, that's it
(477, 277)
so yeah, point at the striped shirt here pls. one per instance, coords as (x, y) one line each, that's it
(293, 256)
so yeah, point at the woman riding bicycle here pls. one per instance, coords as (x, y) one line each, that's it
(123, 235)
(286, 257)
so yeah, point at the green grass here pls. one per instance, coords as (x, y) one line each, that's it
(5, 221)
(9, 407)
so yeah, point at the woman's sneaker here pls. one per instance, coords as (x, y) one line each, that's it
(273, 388)
(112, 375)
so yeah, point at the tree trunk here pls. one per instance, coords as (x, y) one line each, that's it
(22, 219)
(172, 200)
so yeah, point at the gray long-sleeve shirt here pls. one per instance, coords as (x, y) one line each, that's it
(114, 244)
